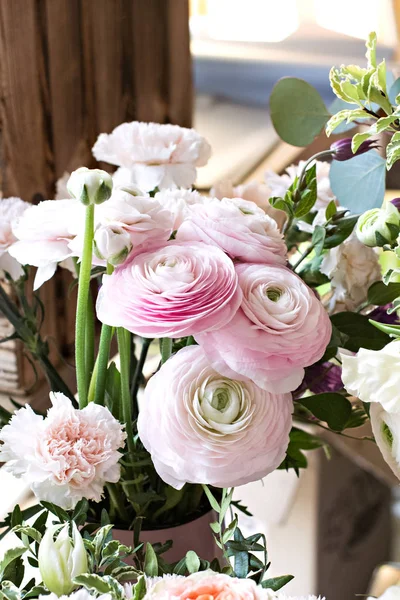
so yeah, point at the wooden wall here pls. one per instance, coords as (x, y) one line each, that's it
(71, 69)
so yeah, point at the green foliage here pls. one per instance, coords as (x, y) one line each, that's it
(276, 583)
(332, 408)
(359, 332)
(298, 112)
(381, 294)
(299, 441)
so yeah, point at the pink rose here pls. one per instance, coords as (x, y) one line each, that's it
(201, 427)
(280, 328)
(238, 227)
(174, 290)
(153, 155)
(66, 456)
(205, 585)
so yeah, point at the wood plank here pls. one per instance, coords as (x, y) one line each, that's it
(180, 94)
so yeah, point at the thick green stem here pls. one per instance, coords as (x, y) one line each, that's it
(124, 356)
(139, 374)
(165, 349)
(89, 341)
(82, 308)
(102, 363)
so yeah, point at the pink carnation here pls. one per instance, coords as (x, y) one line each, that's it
(174, 290)
(281, 328)
(238, 227)
(153, 155)
(201, 427)
(67, 456)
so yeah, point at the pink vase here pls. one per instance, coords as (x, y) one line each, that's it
(195, 535)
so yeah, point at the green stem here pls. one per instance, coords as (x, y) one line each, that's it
(82, 307)
(124, 356)
(323, 154)
(303, 256)
(165, 349)
(117, 507)
(89, 341)
(102, 363)
(146, 342)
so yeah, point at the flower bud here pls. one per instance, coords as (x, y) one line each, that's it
(379, 226)
(396, 203)
(62, 559)
(112, 243)
(90, 186)
(342, 148)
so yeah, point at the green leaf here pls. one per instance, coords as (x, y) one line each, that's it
(15, 571)
(140, 588)
(331, 210)
(392, 330)
(371, 50)
(336, 120)
(306, 203)
(216, 527)
(359, 183)
(9, 591)
(394, 91)
(282, 204)
(381, 294)
(359, 331)
(276, 583)
(151, 562)
(212, 500)
(9, 556)
(298, 112)
(393, 150)
(100, 584)
(332, 408)
(318, 239)
(358, 139)
(311, 272)
(341, 231)
(192, 562)
(230, 530)
(56, 510)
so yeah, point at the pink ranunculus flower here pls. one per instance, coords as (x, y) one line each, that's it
(173, 290)
(178, 202)
(153, 155)
(201, 427)
(66, 456)
(205, 585)
(281, 328)
(43, 235)
(10, 210)
(256, 192)
(81, 594)
(238, 227)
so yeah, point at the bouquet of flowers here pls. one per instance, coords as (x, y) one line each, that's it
(246, 307)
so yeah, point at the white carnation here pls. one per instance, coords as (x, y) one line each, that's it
(10, 210)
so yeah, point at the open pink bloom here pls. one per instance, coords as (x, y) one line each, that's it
(201, 427)
(174, 290)
(10, 210)
(281, 328)
(153, 155)
(205, 585)
(66, 456)
(238, 227)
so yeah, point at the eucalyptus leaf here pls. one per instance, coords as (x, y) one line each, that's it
(298, 112)
(359, 184)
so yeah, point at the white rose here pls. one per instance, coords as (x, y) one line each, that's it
(372, 375)
(10, 210)
(352, 268)
(43, 233)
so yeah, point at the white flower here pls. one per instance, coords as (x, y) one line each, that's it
(90, 186)
(61, 186)
(373, 375)
(154, 155)
(43, 233)
(178, 201)
(259, 193)
(386, 430)
(81, 594)
(10, 210)
(279, 184)
(62, 559)
(392, 593)
(112, 244)
(352, 268)
(66, 456)
(379, 226)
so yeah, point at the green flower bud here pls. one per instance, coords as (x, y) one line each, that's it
(62, 559)
(379, 226)
(90, 186)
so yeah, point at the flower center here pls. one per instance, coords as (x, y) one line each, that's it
(273, 293)
(221, 401)
(387, 435)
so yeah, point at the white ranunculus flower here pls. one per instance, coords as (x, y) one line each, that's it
(10, 210)
(386, 430)
(61, 186)
(112, 244)
(392, 593)
(90, 186)
(43, 233)
(152, 155)
(178, 202)
(373, 375)
(352, 267)
(379, 226)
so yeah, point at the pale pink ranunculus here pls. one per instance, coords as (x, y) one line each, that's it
(43, 235)
(81, 594)
(205, 585)
(280, 328)
(153, 155)
(10, 210)
(256, 192)
(173, 290)
(178, 202)
(238, 227)
(201, 427)
(66, 456)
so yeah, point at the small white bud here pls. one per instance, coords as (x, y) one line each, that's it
(112, 243)
(90, 186)
(379, 226)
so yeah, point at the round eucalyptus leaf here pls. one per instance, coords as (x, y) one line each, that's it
(298, 112)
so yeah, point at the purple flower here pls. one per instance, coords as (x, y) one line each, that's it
(320, 378)
(381, 315)
(342, 148)
(396, 203)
